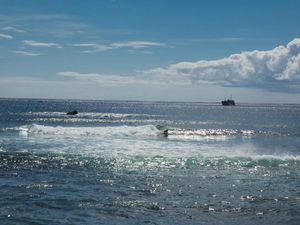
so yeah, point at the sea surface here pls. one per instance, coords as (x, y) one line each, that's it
(127, 162)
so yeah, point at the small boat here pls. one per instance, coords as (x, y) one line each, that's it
(72, 112)
(228, 102)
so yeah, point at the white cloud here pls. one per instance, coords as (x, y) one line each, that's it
(123, 80)
(41, 44)
(93, 47)
(25, 53)
(117, 45)
(9, 28)
(6, 36)
(137, 44)
(276, 68)
(103, 79)
(37, 87)
(53, 25)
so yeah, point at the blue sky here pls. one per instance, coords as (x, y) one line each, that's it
(192, 50)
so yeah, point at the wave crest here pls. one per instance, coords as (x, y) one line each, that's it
(118, 131)
(209, 132)
(142, 130)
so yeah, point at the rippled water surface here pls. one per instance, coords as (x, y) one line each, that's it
(120, 162)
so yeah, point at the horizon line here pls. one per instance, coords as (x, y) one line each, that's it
(159, 101)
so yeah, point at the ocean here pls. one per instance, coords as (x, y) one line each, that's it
(134, 162)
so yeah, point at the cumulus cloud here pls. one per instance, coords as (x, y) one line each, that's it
(41, 44)
(26, 53)
(92, 47)
(6, 36)
(275, 68)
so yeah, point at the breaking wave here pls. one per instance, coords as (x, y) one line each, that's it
(118, 131)
(198, 133)
(124, 131)
(209, 132)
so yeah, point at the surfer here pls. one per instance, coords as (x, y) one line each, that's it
(165, 133)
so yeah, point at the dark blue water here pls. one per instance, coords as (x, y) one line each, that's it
(120, 162)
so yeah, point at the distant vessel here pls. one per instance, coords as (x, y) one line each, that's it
(228, 102)
(72, 112)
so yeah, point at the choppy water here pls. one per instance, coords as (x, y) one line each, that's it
(113, 164)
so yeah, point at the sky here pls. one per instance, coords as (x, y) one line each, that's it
(171, 50)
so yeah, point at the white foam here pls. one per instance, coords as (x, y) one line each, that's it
(275, 157)
(194, 133)
(119, 131)
(146, 140)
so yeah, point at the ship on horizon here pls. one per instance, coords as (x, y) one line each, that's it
(228, 102)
